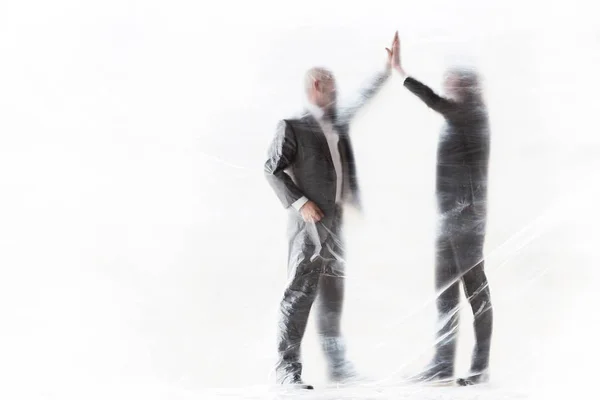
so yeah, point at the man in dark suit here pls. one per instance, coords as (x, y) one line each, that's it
(311, 168)
(461, 191)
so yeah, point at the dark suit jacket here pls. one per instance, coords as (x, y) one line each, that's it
(299, 161)
(463, 149)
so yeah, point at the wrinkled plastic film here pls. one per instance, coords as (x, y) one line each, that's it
(461, 192)
(151, 241)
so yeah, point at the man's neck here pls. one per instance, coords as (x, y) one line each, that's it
(321, 113)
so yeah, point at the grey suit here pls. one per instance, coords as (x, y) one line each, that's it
(300, 164)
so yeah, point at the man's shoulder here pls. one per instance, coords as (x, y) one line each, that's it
(299, 117)
(299, 120)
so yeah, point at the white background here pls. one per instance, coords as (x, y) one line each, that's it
(142, 254)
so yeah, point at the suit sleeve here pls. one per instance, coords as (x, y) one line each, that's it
(282, 153)
(365, 95)
(428, 96)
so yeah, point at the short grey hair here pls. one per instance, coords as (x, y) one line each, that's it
(469, 80)
(467, 77)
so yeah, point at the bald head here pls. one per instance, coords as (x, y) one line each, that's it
(319, 84)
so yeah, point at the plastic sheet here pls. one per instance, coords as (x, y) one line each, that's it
(151, 245)
(301, 165)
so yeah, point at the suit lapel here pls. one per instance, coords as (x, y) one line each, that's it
(344, 143)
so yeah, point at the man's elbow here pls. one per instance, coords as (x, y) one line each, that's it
(269, 169)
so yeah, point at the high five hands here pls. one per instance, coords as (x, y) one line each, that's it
(393, 60)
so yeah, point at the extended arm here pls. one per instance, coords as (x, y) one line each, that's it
(428, 96)
(365, 95)
(371, 89)
(422, 91)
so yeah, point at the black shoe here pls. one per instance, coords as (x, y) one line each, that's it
(435, 372)
(296, 382)
(299, 384)
(289, 374)
(474, 379)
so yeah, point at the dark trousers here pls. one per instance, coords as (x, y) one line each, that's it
(459, 258)
(318, 279)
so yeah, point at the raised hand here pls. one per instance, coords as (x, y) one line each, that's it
(394, 54)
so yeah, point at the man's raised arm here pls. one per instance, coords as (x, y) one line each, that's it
(422, 91)
(364, 95)
(428, 96)
(372, 88)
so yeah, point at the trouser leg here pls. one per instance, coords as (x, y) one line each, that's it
(477, 292)
(295, 307)
(447, 301)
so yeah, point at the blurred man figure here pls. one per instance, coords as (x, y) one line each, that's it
(461, 191)
(312, 171)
